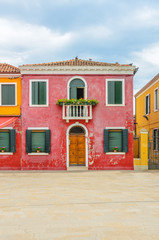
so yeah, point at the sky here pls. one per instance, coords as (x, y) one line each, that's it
(37, 31)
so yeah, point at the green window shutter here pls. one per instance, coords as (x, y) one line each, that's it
(106, 140)
(35, 93)
(4, 140)
(111, 92)
(12, 140)
(76, 83)
(8, 94)
(115, 139)
(28, 141)
(47, 141)
(118, 92)
(125, 140)
(42, 93)
(38, 140)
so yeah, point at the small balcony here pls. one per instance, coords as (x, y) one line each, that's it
(78, 112)
(77, 109)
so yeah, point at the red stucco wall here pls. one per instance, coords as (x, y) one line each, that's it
(13, 162)
(103, 117)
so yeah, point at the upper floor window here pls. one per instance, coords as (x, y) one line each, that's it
(156, 99)
(77, 88)
(147, 104)
(155, 139)
(38, 93)
(115, 94)
(8, 94)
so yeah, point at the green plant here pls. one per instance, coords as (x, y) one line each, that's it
(3, 149)
(37, 149)
(80, 101)
(115, 148)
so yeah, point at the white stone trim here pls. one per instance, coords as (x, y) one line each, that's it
(113, 128)
(123, 91)
(115, 153)
(47, 92)
(146, 89)
(97, 70)
(38, 128)
(6, 153)
(77, 124)
(7, 128)
(73, 78)
(38, 154)
(11, 76)
(148, 95)
(8, 83)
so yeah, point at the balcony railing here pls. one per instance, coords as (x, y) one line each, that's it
(80, 112)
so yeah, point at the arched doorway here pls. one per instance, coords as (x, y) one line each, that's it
(77, 149)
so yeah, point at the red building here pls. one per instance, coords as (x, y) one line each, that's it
(78, 133)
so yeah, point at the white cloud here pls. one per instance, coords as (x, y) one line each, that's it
(96, 32)
(22, 40)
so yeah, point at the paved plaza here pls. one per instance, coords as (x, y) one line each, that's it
(96, 205)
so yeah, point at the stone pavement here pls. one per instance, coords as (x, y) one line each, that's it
(96, 205)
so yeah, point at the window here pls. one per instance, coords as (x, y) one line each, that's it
(38, 92)
(116, 137)
(38, 139)
(77, 89)
(8, 94)
(115, 92)
(147, 104)
(155, 139)
(156, 99)
(7, 140)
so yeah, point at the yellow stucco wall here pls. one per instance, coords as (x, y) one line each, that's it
(153, 116)
(12, 110)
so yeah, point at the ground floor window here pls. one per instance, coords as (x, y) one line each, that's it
(155, 139)
(38, 141)
(116, 139)
(7, 140)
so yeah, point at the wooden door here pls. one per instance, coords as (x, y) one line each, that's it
(77, 150)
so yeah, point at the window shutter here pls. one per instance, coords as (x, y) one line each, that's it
(47, 141)
(111, 92)
(149, 102)
(35, 93)
(12, 140)
(73, 87)
(125, 140)
(106, 140)
(28, 141)
(8, 94)
(42, 93)
(118, 92)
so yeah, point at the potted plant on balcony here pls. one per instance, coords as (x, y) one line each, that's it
(73, 101)
(3, 149)
(60, 102)
(37, 149)
(94, 102)
(115, 149)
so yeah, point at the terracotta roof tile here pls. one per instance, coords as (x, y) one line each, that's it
(9, 69)
(147, 85)
(77, 62)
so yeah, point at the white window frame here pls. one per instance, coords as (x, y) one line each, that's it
(47, 92)
(8, 83)
(155, 109)
(148, 95)
(123, 91)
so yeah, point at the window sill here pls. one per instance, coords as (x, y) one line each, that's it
(38, 154)
(38, 105)
(115, 153)
(156, 110)
(115, 105)
(6, 153)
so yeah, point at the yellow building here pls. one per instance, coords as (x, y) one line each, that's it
(147, 115)
(10, 90)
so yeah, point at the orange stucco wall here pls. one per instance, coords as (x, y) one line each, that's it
(12, 110)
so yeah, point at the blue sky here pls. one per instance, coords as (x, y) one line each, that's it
(35, 31)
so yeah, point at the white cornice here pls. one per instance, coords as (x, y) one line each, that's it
(10, 75)
(129, 70)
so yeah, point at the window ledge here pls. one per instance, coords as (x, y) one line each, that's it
(156, 110)
(38, 154)
(38, 105)
(115, 153)
(6, 153)
(115, 105)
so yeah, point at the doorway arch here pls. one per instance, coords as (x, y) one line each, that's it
(85, 133)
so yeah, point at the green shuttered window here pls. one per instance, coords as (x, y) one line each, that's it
(8, 140)
(74, 85)
(115, 92)
(35, 139)
(39, 93)
(113, 138)
(8, 94)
